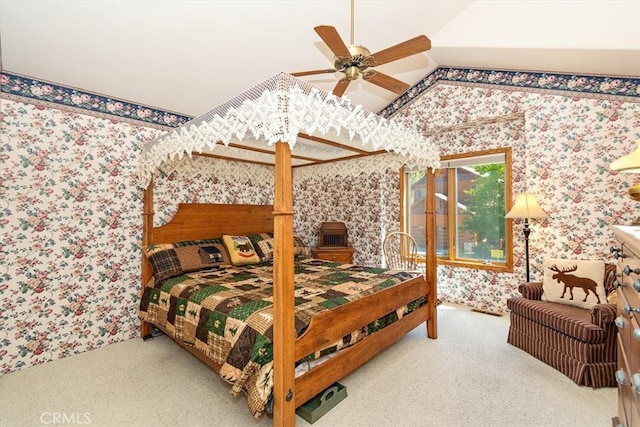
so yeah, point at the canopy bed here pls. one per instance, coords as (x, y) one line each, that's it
(290, 116)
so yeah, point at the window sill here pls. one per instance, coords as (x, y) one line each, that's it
(500, 268)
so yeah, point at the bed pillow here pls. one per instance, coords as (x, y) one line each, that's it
(583, 279)
(241, 250)
(264, 248)
(174, 259)
(300, 250)
(263, 244)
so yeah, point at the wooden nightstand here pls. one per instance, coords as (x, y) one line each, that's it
(336, 254)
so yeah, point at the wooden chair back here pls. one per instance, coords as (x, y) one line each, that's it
(400, 251)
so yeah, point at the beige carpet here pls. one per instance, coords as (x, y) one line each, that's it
(469, 376)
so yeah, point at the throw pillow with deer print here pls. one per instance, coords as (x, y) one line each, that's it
(579, 283)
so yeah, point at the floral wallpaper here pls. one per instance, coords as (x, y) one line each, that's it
(206, 180)
(562, 149)
(70, 226)
(364, 194)
(70, 215)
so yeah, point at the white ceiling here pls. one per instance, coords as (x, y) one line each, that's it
(190, 56)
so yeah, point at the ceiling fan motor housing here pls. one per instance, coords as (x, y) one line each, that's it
(359, 61)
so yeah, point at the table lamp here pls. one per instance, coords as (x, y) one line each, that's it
(630, 164)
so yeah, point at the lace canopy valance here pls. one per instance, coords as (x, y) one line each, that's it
(286, 109)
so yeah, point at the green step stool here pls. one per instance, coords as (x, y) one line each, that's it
(315, 408)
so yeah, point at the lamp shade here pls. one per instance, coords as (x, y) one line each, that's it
(526, 206)
(629, 163)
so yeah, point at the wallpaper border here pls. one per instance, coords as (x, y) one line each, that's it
(620, 87)
(32, 90)
(27, 89)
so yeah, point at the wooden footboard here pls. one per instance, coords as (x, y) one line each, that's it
(324, 329)
(322, 376)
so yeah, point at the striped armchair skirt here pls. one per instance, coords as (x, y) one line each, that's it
(580, 343)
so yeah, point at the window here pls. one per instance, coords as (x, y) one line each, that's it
(473, 194)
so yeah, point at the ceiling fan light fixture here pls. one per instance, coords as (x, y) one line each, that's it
(352, 73)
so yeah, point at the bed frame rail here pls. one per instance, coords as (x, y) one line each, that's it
(323, 329)
(346, 361)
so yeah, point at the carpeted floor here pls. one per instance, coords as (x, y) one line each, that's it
(469, 376)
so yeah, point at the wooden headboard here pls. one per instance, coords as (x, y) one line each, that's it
(195, 221)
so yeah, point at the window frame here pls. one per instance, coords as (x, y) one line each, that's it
(450, 259)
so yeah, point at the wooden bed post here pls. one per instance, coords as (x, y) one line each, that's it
(147, 238)
(432, 260)
(283, 291)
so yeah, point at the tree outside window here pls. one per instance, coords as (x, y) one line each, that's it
(484, 215)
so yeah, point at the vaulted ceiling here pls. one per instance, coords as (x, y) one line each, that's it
(189, 56)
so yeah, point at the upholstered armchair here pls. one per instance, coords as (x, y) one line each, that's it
(579, 342)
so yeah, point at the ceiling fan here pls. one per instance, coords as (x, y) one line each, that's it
(355, 61)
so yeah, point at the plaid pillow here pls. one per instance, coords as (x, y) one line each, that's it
(263, 244)
(264, 248)
(174, 259)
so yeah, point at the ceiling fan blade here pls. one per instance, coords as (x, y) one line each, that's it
(309, 73)
(402, 50)
(333, 40)
(387, 82)
(341, 87)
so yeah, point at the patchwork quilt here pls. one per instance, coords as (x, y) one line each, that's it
(227, 313)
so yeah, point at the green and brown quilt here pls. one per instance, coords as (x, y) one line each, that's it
(227, 313)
